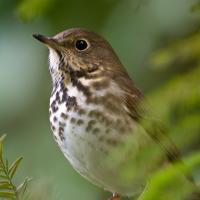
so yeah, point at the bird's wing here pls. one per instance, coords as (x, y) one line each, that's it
(137, 110)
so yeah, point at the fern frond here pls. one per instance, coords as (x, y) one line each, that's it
(7, 188)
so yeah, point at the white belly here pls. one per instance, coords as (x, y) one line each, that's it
(102, 153)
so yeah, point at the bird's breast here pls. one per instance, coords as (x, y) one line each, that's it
(88, 126)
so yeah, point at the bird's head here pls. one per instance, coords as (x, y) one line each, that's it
(79, 52)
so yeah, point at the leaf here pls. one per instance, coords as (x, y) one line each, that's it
(6, 165)
(5, 181)
(158, 187)
(1, 146)
(7, 194)
(14, 166)
(6, 185)
(3, 177)
(2, 138)
(21, 189)
(10, 191)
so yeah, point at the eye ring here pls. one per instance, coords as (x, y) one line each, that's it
(81, 45)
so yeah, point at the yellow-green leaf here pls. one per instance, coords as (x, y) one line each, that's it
(7, 194)
(3, 176)
(6, 186)
(1, 145)
(14, 166)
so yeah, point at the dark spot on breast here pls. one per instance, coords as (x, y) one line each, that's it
(55, 119)
(109, 101)
(62, 124)
(104, 120)
(53, 127)
(54, 107)
(79, 122)
(64, 116)
(60, 133)
(83, 89)
(71, 103)
(81, 111)
(61, 128)
(73, 120)
(64, 95)
(62, 85)
(94, 113)
(90, 125)
(100, 116)
(58, 97)
(91, 122)
(77, 83)
(112, 142)
(95, 131)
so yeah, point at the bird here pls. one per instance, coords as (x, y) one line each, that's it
(98, 115)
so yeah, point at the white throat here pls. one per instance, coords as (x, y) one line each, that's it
(53, 60)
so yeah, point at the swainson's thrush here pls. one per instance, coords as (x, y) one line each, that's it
(96, 115)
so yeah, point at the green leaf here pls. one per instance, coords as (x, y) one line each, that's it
(21, 189)
(6, 165)
(3, 176)
(172, 177)
(1, 146)
(7, 189)
(6, 186)
(2, 138)
(7, 194)
(14, 166)
(5, 181)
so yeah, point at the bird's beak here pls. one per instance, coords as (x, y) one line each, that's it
(48, 41)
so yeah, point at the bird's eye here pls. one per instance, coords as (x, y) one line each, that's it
(81, 45)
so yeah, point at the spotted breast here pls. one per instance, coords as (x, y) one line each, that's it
(95, 114)
(87, 123)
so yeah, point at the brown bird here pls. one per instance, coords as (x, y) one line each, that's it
(98, 116)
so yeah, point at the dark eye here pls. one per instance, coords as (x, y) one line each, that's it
(81, 45)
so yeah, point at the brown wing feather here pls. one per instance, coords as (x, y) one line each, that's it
(136, 109)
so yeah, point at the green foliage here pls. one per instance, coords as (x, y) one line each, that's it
(179, 53)
(30, 9)
(180, 96)
(169, 183)
(8, 190)
(196, 7)
(177, 102)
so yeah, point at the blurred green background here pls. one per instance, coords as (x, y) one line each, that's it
(158, 41)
